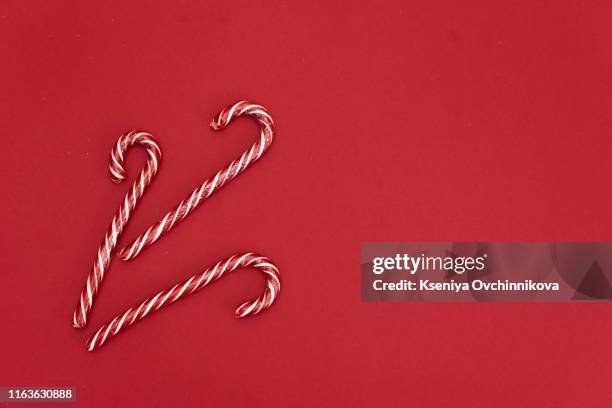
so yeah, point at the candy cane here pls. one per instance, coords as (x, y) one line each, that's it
(212, 184)
(189, 286)
(94, 280)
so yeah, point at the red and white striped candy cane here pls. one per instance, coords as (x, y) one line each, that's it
(214, 183)
(94, 280)
(189, 286)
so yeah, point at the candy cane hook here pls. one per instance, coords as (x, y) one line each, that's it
(118, 174)
(188, 287)
(212, 184)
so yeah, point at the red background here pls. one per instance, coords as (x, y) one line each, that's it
(425, 121)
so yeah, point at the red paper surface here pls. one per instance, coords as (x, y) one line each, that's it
(420, 121)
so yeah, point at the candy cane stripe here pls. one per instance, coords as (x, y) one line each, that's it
(210, 185)
(250, 308)
(94, 280)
